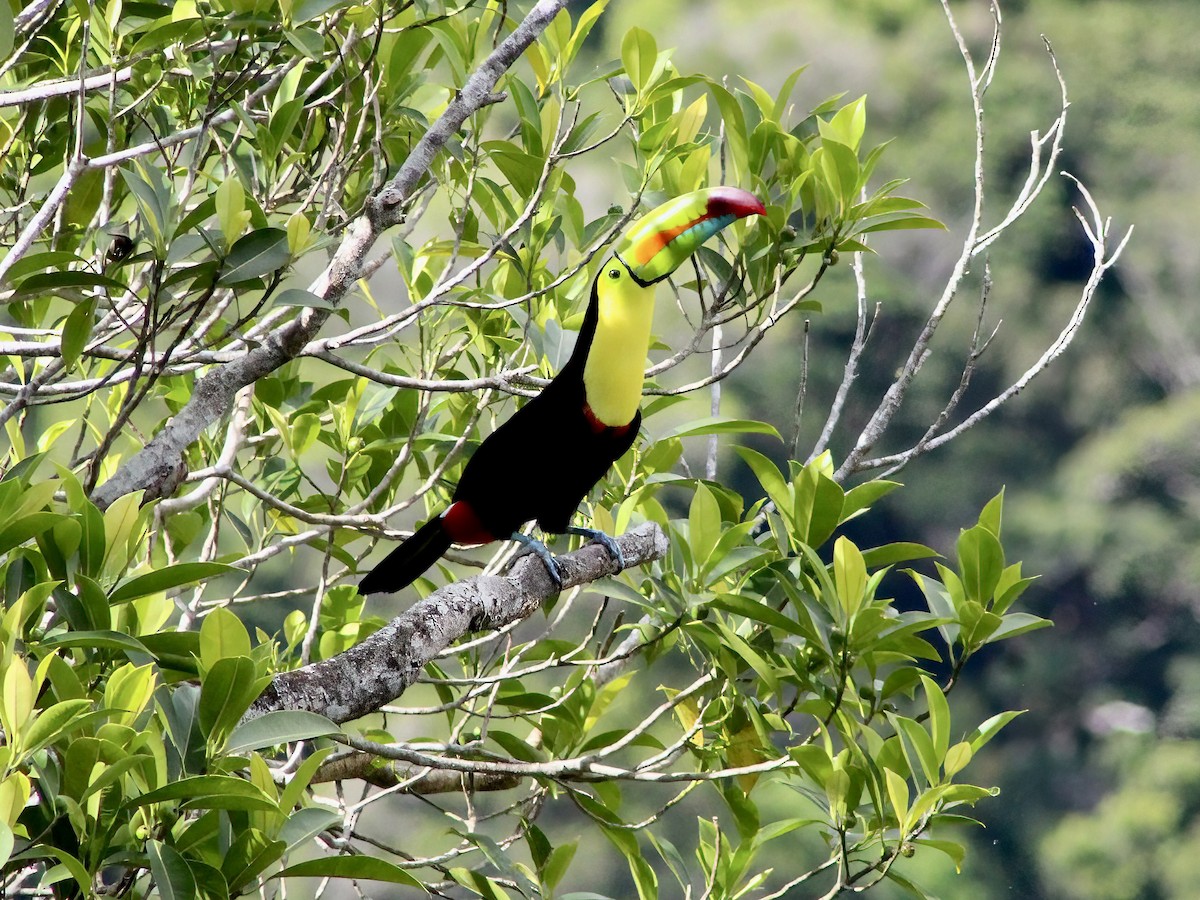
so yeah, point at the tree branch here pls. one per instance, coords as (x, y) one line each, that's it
(388, 773)
(155, 464)
(381, 668)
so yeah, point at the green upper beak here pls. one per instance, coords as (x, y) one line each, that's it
(660, 241)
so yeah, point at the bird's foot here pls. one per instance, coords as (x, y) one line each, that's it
(543, 553)
(604, 540)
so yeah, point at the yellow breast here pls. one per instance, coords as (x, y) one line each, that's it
(613, 373)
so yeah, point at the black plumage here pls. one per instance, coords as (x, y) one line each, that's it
(537, 466)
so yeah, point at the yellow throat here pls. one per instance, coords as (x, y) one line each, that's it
(616, 361)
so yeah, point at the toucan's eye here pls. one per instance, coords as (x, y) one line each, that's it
(614, 274)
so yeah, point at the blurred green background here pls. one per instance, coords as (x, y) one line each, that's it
(1100, 780)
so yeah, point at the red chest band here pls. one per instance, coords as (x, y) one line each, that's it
(599, 427)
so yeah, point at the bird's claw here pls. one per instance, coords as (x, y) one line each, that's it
(543, 554)
(604, 540)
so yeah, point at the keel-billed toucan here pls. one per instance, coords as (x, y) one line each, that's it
(540, 464)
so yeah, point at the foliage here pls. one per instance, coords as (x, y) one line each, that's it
(1130, 844)
(808, 679)
(159, 217)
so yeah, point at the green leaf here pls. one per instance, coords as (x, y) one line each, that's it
(735, 130)
(228, 689)
(953, 850)
(7, 31)
(232, 214)
(251, 853)
(52, 723)
(758, 611)
(557, 863)
(16, 698)
(222, 635)
(849, 575)
(259, 253)
(940, 604)
(176, 650)
(911, 889)
(750, 656)
(939, 717)
(704, 525)
(298, 231)
(73, 866)
(295, 788)
(848, 125)
(862, 497)
(895, 221)
(783, 98)
(278, 727)
(52, 260)
(77, 329)
(981, 562)
(166, 578)
(311, 43)
(528, 116)
(1010, 587)
(99, 639)
(837, 787)
(368, 868)
(817, 508)
(172, 876)
(639, 55)
(957, 758)
(129, 690)
(305, 824)
(504, 864)
(307, 10)
(206, 788)
(897, 788)
(1017, 623)
(121, 521)
(7, 838)
(838, 165)
(988, 729)
(300, 297)
(523, 170)
(720, 425)
(69, 283)
(17, 531)
(479, 884)
(153, 196)
(992, 514)
(771, 479)
(915, 739)
(91, 545)
(88, 608)
(901, 551)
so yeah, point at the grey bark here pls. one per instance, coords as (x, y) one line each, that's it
(379, 669)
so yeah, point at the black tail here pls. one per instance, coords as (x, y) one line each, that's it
(408, 562)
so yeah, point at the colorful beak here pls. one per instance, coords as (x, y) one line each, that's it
(661, 240)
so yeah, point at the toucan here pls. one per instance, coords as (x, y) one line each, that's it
(541, 463)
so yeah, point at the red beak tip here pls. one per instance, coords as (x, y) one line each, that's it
(734, 201)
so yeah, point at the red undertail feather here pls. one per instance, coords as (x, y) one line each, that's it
(462, 524)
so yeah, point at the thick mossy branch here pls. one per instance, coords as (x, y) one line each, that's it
(377, 671)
